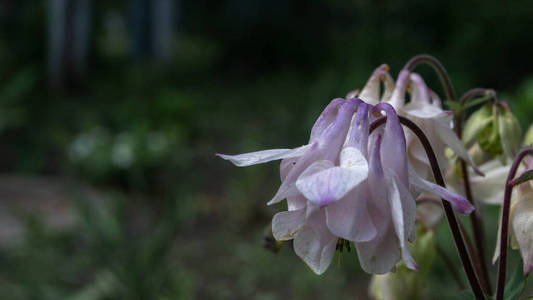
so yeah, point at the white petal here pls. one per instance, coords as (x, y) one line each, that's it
(259, 157)
(490, 188)
(388, 84)
(326, 118)
(397, 99)
(449, 137)
(348, 218)
(426, 112)
(402, 216)
(371, 91)
(315, 244)
(296, 202)
(287, 224)
(286, 166)
(379, 255)
(459, 202)
(496, 254)
(323, 184)
(350, 157)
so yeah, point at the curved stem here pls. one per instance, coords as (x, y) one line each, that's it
(450, 215)
(505, 221)
(475, 217)
(439, 68)
(476, 92)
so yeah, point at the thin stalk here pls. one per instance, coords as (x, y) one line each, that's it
(505, 220)
(476, 93)
(475, 219)
(450, 215)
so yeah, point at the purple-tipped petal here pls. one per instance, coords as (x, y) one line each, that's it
(457, 201)
(334, 136)
(326, 147)
(358, 135)
(527, 269)
(259, 157)
(326, 118)
(379, 255)
(393, 150)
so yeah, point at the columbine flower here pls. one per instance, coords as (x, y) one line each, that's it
(310, 171)
(521, 223)
(342, 186)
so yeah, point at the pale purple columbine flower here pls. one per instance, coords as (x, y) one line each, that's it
(315, 176)
(332, 192)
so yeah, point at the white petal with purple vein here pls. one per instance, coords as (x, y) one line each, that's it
(259, 157)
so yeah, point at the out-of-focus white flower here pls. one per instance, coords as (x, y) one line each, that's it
(521, 221)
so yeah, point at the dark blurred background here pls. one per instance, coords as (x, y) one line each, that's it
(111, 112)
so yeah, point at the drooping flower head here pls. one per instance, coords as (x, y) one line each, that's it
(345, 184)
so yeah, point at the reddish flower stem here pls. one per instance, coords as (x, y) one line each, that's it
(439, 68)
(450, 215)
(505, 220)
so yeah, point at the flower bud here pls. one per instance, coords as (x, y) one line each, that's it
(510, 131)
(477, 122)
(495, 129)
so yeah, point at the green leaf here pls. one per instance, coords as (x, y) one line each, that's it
(516, 284)
(526, 176)
(469, 295)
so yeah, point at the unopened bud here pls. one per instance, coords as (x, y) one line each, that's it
(509, 131)
(477, 122)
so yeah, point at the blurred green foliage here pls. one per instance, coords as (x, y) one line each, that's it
(176, 223)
